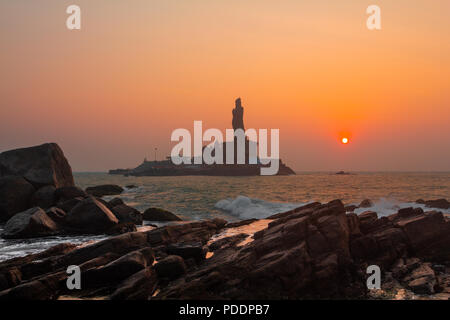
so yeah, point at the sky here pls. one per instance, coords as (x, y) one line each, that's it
(112, 92)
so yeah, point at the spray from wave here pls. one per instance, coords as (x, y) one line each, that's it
(246, 208)
(385, 207)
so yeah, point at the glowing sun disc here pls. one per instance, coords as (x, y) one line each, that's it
(344, 140)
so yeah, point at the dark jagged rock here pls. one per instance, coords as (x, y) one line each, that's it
(15, 196)
(68, 205)
(187, 251)
(119, 269)
(440, 204)
(309, 206)
(227, 242)
(139, 286)
(350, 208)
(240, 223)
(67, 193)
(184, 233)
(44, 197)
(32, 223)
(170, 267)
(156, 214)
(91, 216)
(126, 213)
(57, 215)
(367, 203)
(315, 252)
(104, 190)
(115, 202)
(40, 165)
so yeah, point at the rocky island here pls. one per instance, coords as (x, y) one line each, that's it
(167, 168)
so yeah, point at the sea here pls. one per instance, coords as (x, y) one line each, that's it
(239, 198)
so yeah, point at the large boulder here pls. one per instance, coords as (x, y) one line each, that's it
(40, 165)
(15, 196)
(90, 216)
(44, 197)
(104, 190)
(67, 193)
(32, 223)
(156, 214)
(126, 213)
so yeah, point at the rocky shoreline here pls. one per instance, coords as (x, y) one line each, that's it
(316, 251)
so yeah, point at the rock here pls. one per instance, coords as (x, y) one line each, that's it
(420, 201)
(303, 257)
(299, 210)
(32, 223)
(119, 245)
(45, 288)
(68, 205)
(192, 232)
(91, 216)
(240, 223)
(353, 224)
(119, 269)
(440, 204)
(139, 286)
(170, 267)
(44, 197)
(115, 202)
(40, 165)
(104, 190)
(57, 215)
(409, 212)
(131, 186)
(126, 213)
(227, 242)
(67, 193)
(187, 251)
(428, 235)
(15, 196)
(10, 278)
(368, 216)
(366, 204)
(422, 280)
(122, 228)
(156, 214)
(350, 208)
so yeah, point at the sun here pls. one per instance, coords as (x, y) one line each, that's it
(344, 140)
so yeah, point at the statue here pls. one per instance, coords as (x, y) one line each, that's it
(238, 115)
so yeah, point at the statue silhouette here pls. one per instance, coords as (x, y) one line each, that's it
(238, 115)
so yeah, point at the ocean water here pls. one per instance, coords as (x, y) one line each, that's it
(237, 198)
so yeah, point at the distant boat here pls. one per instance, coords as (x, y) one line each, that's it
(343, 173)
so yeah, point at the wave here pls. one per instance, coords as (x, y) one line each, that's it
(244, 207)
(247, 208)
(385, 207)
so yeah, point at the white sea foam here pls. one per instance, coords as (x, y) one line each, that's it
(246, 208)
(385, 207)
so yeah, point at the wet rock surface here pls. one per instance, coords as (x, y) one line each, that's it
(317, 251)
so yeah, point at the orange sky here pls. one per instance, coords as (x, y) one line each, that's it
(112, 92)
